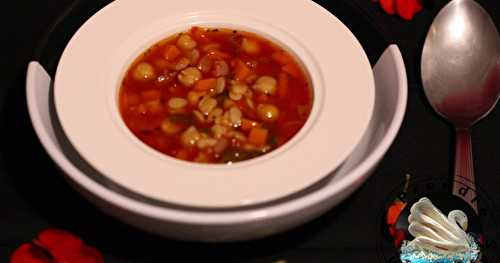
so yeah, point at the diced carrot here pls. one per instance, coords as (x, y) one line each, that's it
(171, 53)
(282, 85)
(152, 94)
(247, 124)
(241, 71)
(205, 84)
(217, 54)
(291, 69)
(281, 57)
(258, 136)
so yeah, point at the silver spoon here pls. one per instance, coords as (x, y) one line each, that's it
(461, 78)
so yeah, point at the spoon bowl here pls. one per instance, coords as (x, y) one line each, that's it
(461, 77)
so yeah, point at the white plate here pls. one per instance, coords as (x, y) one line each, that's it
(92, 66)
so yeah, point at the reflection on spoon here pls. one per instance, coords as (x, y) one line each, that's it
(438, 237)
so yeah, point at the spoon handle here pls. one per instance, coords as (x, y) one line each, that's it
(464, 183)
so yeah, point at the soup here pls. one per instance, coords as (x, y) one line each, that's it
(213, 95)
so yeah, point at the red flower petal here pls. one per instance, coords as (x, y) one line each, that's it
(406, 8)
(419, 6)
(56, 246)
(56, 240)
(81, 258)
(389, 6)
(393, 212)
(28, 253)
(392, 230)
(399, 237)
(90, 255)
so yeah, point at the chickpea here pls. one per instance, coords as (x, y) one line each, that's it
(144, 71)
(250, 46)
(237, 135)
(239, 88)
(266, 85)
(185, 42)
(214, 114)
(207, 104)
(194, 97)
(235, 116)
(235, 96)
(223, 120)
(237, 91)
(206, 143)
(218, 130)
(221, 68)
(268, 112)
(190, 136)
(221, 85)
(177, 103)
(194, 57)
(189, 76)
(182, 64)
(221, 145)
(170, 128)
(154, 106)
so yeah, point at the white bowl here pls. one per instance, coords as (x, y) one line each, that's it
(390, 106)
(96, 58)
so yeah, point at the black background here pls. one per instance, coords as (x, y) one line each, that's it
(34, 196)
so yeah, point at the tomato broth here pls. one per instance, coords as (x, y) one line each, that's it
(215, 95)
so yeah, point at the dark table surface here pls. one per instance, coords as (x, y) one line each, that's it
(34, 196)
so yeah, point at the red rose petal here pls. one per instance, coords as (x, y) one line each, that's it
(393, 212)
(392, 230)
(90, 255)
(419, 6)
(406, 8)
(57, 240)
(28, 253)
(64, 255)
(56, 246)
(84, 254)
(399, 237)
(389, 6)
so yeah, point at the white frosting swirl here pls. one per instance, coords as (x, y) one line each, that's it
(436, 232)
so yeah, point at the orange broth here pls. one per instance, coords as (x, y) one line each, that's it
(215, 96)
